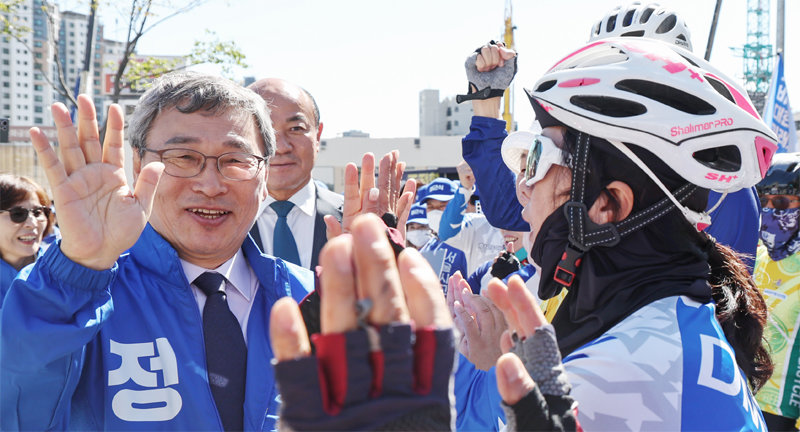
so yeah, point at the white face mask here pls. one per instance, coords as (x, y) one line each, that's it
(434, 218)
(419, 237)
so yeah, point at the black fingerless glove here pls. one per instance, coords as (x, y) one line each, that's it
(548, 407)
(349, 385)
(487, 85)
(506, 264)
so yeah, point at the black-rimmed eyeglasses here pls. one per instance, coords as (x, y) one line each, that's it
(20, 214)
(185, 163)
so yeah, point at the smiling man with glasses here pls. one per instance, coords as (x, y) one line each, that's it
(152, 312)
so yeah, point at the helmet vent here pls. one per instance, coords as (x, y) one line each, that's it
(612, 22)
(628, 18)
(646, 15)
(667, 25)
(670, 96)
(609, 106)
(636, 33)
(726, 158)
(547, 85)
(721, 89)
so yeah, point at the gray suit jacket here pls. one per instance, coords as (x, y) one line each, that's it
(327, 203)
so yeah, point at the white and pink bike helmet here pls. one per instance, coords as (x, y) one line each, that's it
(651, 21)
(665, 99)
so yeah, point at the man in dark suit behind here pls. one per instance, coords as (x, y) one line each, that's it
(295, 117)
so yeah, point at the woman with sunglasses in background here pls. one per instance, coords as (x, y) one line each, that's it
(777, 274)
(24, 221)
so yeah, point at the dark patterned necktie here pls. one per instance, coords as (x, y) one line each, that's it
(226, 352)
(283, 244)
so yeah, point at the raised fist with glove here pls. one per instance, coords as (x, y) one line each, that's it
(490, 70)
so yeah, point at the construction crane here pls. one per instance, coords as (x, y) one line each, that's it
(508, 39)
(757, 52)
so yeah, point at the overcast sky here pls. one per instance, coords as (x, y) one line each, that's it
(366, 61)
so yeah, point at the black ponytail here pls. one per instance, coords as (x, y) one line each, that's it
(741, 311)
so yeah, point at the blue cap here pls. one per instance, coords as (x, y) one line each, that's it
(421, 192)
(418, 214)
(440, 189)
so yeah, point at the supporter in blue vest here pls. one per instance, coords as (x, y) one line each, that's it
(24, 222)
(152, 311)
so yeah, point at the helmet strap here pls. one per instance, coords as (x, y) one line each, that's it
(585, 234)
(699, 220)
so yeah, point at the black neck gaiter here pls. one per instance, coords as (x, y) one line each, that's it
(613, 282)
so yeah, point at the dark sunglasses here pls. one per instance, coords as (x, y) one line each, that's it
(20, 214)
(778, 202)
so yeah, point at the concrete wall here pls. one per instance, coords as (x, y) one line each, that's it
(433, 152)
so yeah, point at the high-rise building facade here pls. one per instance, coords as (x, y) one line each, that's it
(16, 71)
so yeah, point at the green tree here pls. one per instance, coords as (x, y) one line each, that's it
(10, 24)
(131, 71)
(141, 19)
(141, 71)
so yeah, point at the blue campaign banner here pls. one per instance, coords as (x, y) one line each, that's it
(778, 111)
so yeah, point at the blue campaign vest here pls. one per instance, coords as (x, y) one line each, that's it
(144, 368)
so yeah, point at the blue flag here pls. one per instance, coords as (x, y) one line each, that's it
(778, 111)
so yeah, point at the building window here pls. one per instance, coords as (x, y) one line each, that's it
(37, 109)
(38, 120)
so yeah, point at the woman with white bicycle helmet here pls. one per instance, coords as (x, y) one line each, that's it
(662, 327)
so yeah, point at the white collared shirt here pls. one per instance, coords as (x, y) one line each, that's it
(240, 286)
(301, 219)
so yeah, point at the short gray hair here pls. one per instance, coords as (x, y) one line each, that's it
(189, 92)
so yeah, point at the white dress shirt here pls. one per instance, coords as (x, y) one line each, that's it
(241, 284)
(301, 219)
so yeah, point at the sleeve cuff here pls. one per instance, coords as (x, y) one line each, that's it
(70, 273)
